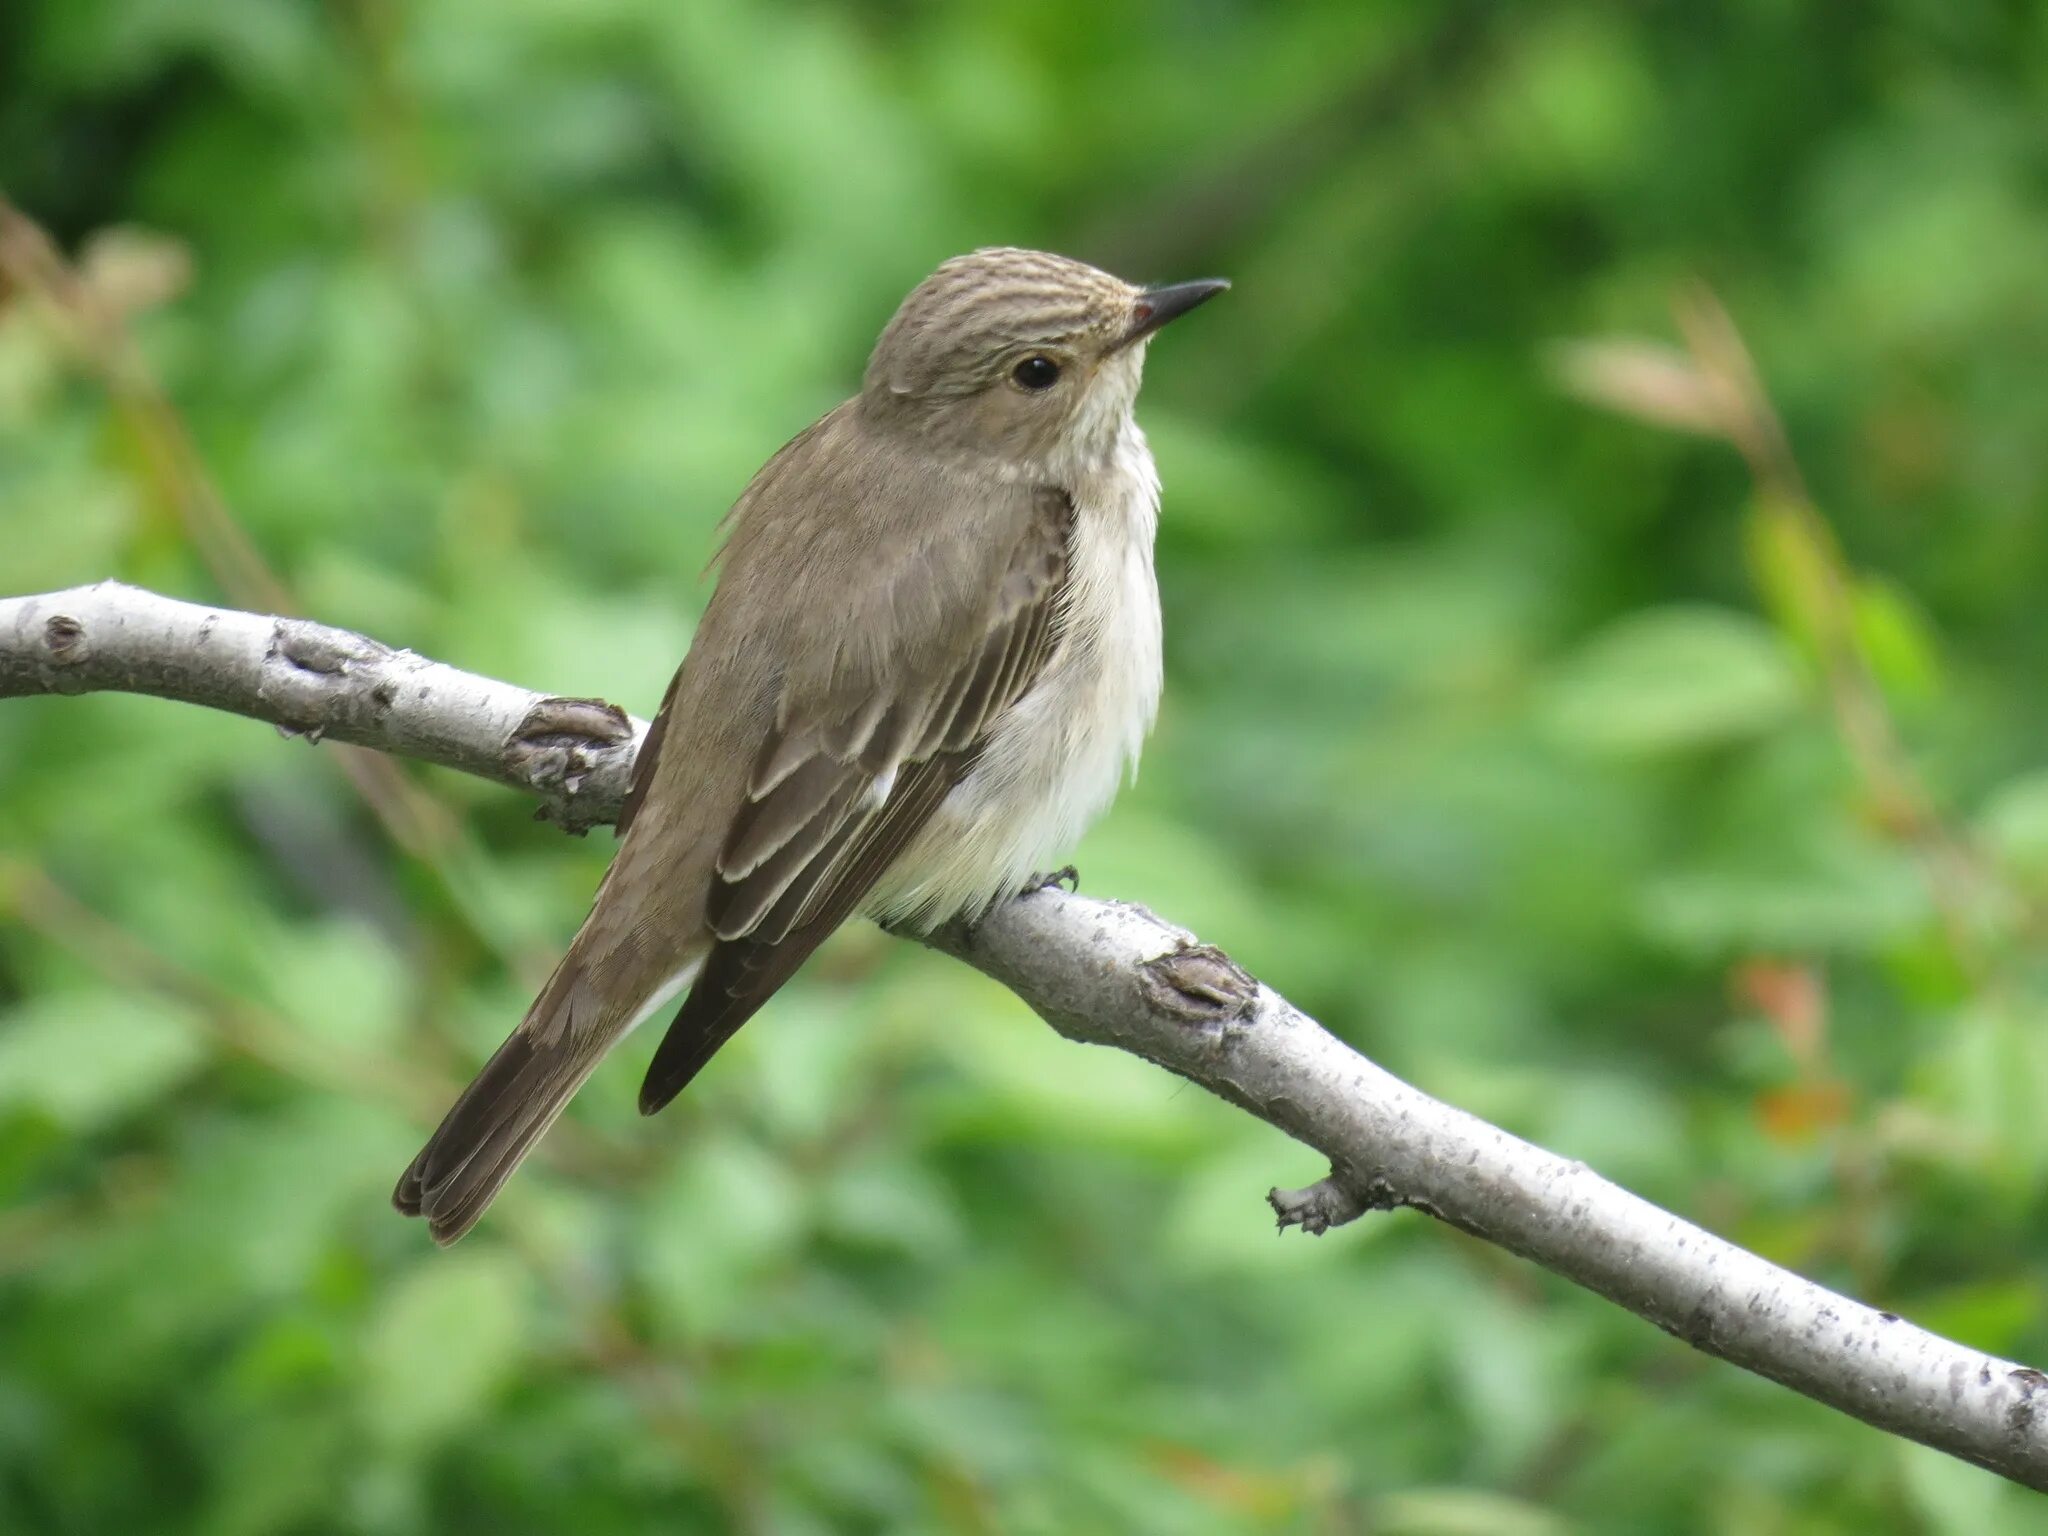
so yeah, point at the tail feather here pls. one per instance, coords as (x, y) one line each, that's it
(517, 1096)
(519, 1093)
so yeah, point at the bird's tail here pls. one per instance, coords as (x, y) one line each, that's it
(517, 1096)
(492, 1127)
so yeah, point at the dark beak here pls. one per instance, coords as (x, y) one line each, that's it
(1156, 306)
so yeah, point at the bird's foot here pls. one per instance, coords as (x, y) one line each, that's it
(1066, 875)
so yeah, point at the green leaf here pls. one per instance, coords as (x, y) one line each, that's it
(1794, 565)
(447, 1337)
(84, 1058)
(1948, 1497)
(1461, 1512)
(1857, 905)
(1896, 640)
(722, 1216)
(1991, 1079)
(2013, 827)
(1673, 680)
(337, 980)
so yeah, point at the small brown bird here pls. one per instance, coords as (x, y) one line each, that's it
(932, 654)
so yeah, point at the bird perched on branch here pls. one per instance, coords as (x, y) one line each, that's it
(932, 654)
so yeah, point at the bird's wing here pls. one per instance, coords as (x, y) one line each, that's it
(865, 745)
(875, 614)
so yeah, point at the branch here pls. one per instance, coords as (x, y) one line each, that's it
(1106, 973)
(311, 680)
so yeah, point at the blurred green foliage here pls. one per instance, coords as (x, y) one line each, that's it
(1522, 742)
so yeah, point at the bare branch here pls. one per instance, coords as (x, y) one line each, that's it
(1106, 973)
(309, 679)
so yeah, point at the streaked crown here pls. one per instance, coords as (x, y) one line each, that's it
(1021, 359)
(959, 322)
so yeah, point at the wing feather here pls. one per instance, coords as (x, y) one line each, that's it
(737, 906)
(740, 975)
(840, 789)
(782, 814)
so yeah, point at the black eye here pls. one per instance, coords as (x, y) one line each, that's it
(1036, 372)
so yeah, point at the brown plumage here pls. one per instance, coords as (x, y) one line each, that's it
(922, 600)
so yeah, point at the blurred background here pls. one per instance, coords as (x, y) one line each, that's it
(1666, 790)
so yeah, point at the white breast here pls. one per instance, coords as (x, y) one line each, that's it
(1055, 760)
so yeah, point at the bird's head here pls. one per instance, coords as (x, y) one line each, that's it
(1027, 359)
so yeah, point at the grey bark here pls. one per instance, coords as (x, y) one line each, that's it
(314, 680)
(1107, 973)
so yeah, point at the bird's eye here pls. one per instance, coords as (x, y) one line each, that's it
(1036, 372)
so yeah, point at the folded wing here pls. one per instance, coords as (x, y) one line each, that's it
(856, 764)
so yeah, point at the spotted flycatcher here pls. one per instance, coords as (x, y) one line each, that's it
(932, 653)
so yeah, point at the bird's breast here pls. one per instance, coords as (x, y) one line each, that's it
(1055, 760)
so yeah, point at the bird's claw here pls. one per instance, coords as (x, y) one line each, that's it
(1066, 875)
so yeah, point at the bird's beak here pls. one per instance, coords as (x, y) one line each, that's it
(1156, 306)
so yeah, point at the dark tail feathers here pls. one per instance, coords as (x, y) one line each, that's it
(499, 1117)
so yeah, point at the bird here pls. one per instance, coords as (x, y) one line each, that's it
(930, 658)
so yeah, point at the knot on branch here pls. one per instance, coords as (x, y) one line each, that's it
(309, 662)
(1198, 984)
(51, 655)
(323, 651)
(1330, 1202)
(2019, 1419)
(556, 749)
(64, 640)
